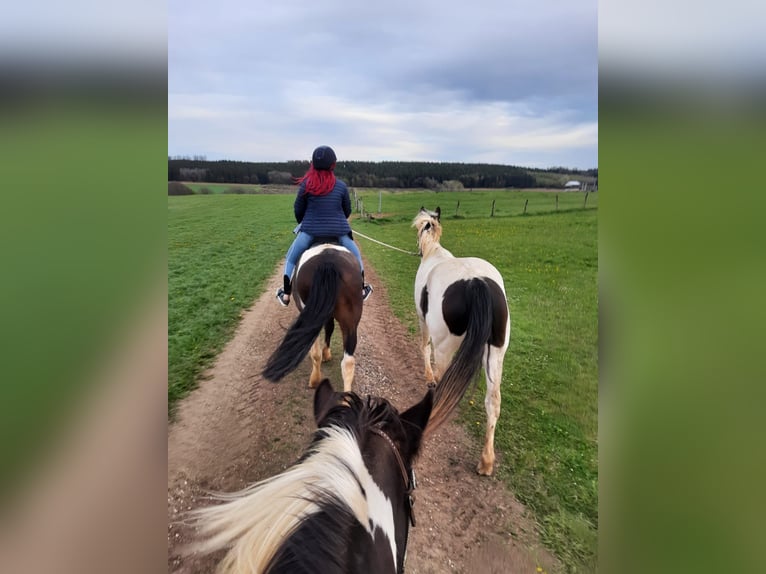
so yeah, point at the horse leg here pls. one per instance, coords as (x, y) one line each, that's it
(328, 329)
(444, 349)
(316, 363)
(492, 406)
(425, 349)
(348, 363)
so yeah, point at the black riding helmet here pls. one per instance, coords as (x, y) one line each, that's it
(323, 157)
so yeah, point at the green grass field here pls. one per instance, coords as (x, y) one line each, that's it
(222, 247)
(548, 425)
(475, 204)
(218, 188)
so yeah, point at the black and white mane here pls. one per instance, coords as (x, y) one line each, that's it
(344, 507)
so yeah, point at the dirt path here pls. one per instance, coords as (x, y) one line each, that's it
(237, 428)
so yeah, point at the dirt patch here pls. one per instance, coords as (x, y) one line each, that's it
(237, 428)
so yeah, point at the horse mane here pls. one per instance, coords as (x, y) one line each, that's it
(316, 541)
(429, 231)
(255, 522)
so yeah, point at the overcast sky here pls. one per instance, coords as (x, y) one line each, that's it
(485, 81)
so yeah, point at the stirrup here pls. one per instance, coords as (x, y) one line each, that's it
(280, 294)
(366, 291)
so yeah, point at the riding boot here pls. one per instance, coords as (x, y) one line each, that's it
(286, 290)
(366, 289)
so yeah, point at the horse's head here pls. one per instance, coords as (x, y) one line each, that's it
(428, 224)
(388, 442)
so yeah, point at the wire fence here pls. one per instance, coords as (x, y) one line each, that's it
(505, 206)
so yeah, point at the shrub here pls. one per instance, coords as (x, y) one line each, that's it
(450, 185)
(178, 188)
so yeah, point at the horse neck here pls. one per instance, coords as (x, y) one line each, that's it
(385, 472)
(255, 522)
(371, 537)
(433, 249)
(434, 252)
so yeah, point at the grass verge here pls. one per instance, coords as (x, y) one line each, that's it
(221, 249)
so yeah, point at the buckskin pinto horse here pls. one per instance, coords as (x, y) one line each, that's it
(462, 310)
(345, 507)
(327, 287)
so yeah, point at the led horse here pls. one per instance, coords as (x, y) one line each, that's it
(462, 311)
(344, 508)
(327, 287)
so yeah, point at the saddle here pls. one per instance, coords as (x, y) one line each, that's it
(319, 240)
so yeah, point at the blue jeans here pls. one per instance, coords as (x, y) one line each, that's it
(303, 241)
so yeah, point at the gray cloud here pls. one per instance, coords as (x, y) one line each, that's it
(400, 80)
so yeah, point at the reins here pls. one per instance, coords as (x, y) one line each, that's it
(409, 477)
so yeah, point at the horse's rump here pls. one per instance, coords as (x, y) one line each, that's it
(469, 309)
(327, 286)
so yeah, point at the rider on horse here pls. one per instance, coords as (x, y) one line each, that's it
(322, 207)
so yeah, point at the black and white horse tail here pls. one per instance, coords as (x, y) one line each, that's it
(317, 311)
(468, 358)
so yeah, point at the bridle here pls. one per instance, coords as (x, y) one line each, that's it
(409, 477)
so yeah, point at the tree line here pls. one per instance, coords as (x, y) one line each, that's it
(388, 174)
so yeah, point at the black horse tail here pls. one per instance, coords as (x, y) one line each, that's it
(317, 310)
(468, 358)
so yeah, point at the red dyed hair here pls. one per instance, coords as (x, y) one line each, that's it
(318, 181)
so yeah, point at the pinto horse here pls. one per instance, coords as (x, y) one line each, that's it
(345, 507)
(327, 287)
(462, 310)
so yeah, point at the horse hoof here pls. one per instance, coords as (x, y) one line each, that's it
(485, 469)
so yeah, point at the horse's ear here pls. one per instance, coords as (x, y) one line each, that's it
(422, 208)
(324, 400)
(415, 420)
(438, 213)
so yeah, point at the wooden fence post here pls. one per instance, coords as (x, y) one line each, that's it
(586, 199)
(557, 202)
(493, 209)
(457, 208)
(526, 201)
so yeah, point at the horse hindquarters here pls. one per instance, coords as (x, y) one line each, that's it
(484, 317)
(467, 361)
(303, 333)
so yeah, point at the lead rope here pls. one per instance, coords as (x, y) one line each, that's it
(385, 244)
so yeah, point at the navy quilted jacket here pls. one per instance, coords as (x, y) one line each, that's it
(324, 215)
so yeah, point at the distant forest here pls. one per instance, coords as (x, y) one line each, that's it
(387, 174)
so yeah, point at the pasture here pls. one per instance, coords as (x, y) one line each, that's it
(216, 188)
(548, 422)
(223, 247)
